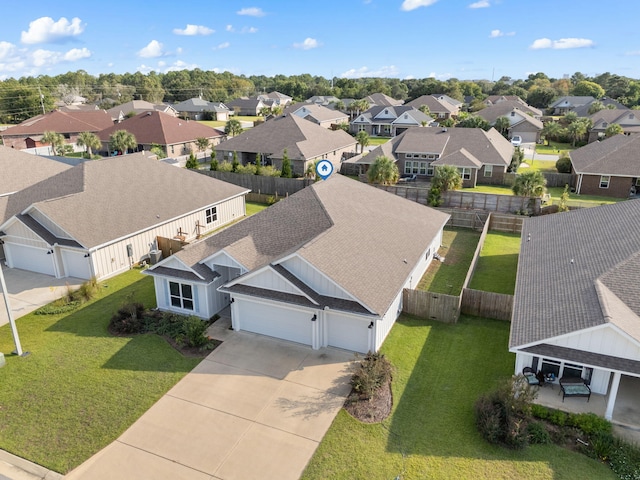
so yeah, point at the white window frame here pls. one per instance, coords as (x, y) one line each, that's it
(465, 173)
(488, 170)
(361, 128)
(181, 295)
(211, 214)
(430, 169)
(605, 180)
(408, 166)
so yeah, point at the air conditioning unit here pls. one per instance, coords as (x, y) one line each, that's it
(155, 256)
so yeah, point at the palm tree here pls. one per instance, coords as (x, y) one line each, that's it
(383, 170)
(363, 140)
(265, 111)
(551, 130)
(446, 177)
(613, 129)
(89, 140)
(577, 130)
(55, 139)
(502, 125)
(233, 127)
(202, 143)
(121, 141)
(530, 184)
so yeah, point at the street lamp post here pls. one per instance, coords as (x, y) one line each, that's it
(12, 323)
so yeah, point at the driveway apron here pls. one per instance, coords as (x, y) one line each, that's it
(255, 408)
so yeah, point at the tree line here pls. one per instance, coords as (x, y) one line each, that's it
(27, 96)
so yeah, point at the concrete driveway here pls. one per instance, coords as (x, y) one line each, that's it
(255, 408)
(29, 291)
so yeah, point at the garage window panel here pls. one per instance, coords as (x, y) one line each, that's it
(212, 214)
(181, 295)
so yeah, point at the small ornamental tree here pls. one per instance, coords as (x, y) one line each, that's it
(286, 166)
(564, 199)
(214, 161)
(90, 141)
(516, 160)
(502, 125)
(613, 129)
(233, 127)
(363, 140)
(563, 164)
(121, 141)
(235, 164)
(192, 162)
(202, 143)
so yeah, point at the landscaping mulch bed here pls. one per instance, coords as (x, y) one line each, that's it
(375, 410)
(193, 352)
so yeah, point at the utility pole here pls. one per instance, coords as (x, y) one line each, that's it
(41, 99)
(12, 323)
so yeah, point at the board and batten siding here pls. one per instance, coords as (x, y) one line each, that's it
(313, 278)
(270, 280)
(50, 225)
(604, 340)
(163, 301)
(112, 259)
(19, 233)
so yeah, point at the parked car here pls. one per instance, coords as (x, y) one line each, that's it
(516, 140)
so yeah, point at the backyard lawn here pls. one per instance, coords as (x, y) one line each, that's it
(554, 148)
(253, 207)
(584, 201)
(375, 141)
(497, 264)
(458, 246)
(441, 369)
(81, 387)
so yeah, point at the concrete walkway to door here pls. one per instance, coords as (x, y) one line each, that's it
(255, 408)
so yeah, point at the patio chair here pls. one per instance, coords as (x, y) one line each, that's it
(530, 374)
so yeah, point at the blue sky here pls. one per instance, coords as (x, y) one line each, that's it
(466, 39)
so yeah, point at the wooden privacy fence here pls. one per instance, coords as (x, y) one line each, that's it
(558, 179)
(503, 222)
(486, 304)
(434, 306)
(262, 185)
(491, 202)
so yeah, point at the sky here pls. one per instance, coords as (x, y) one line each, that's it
(465, 39)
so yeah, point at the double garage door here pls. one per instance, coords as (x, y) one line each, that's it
(344, 332)
(30, 258)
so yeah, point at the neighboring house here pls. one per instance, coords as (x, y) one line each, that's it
(120, 112)
(199, 109)
(323, 116)
(246, 106)
(324, 100)
(291, 271)
(569, 103)
(438, 109)
(174, 135)
(609, 168)
(446, 98)
(275, 99)
(28, 134)
(389, 121)
(304, 141)
(583, 110)
(382, 100)
(79, 108)
(628, 119)
(495, 99)
(99, 218)
(481, 157)
(576, 310)
(523, 119)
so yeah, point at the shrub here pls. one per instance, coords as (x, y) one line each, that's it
(558, 418)
(539, 411)
(372, 372)
(248, 169)
(601, 446)
(563, 164)
(129, 319)
(538, 433)
(270, 171)
(193, 332)
(87, 290)
(225, 167)
(169, 324)
(625, 461)
(589, 423)
(62, 305)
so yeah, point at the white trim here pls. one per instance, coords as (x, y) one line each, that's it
(211, 258)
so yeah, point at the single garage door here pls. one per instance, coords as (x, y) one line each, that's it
(288, 324)
(76, 264)
(29, 258)
(348, 333)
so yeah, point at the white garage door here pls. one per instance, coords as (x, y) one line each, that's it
(29, 258)
(76, 264)
(347, 332)
(274, 321)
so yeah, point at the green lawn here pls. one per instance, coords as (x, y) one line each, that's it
(494, 189)
(498, 263)
(458, 246)
(581, 200)
(80, 387)
(254, 207)
(441, 370)
(554, 148)
(375, 141)
(540, 165)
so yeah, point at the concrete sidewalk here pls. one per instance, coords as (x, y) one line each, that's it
(255, 408)
(16, 468)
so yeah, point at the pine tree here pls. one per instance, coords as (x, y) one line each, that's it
(286, 165)
(235, 164)
(214, 161)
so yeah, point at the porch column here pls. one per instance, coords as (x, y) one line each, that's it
(613, 393)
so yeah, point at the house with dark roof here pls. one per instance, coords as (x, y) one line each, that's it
(389, 121)
(569, 103)
(628, 119)
(608, 168)
(524, 120)
(304, 142)
(290, 271)
(246, 106)
(121, 112)
(69, 124)
(576, 311)
(174, 135)
(481, 157)
(99, 218)
(199, 109)
(495, 99)
(438, 109)
(324, 100)
(275, 99)
(584, 110)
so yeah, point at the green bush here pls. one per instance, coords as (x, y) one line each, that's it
(625, 461)
(563, 164)
(539, 411)
(225, 167)
(193, 333)
(72, 299)
(538, 433)
(129, 319)
(558, 418)
(372, 372)
(600, 446)
(589, 423)
(270, 171)
(248, 169)
(62, 305)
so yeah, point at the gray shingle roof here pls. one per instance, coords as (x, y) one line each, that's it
(556, 291)
(583, 357)
(21, 170)
(199, 105)
(132, 193)
(434, 105)
(618, 155)
(503, 109)
(460, 158)
(357, 235)
(383, 100)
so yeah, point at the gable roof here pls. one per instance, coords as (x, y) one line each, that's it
(583, 110)
(161, 128)
(443, 97)
(460, 158)
(434, 105)
(303, 139)
(380, 99)
(372, 115)
(245, 103)
(562, 258)
(318, 112)
(615, 115)
(197, 104)
(21, 170)
(572, 101)
(137, 106)
(503, 109)
(321, 223)
(128, 204)
(618, 155)
(489, 148)
(495, 99)
(62, 122)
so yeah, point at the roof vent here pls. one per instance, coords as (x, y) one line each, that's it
(148, 114)
(444, 129)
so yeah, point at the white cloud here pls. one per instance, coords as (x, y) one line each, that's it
(44, 30)
(162, 67)
(76, 54)
(634, 53)
(500, 33)
(180, 65)
(308, 44)
(385, 71)
(229, 28)
(480, 4)
(222, 46)
(439, 76)
(251, 12)
(249, 30)
(409, 5)
(46, 58)
(561, 44)
(152, 50)
(191, 30)
(7, 50)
